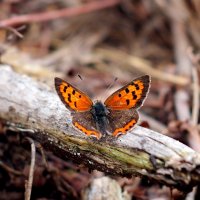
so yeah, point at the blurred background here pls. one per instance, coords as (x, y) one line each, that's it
(99, 41)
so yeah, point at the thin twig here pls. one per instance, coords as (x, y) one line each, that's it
(195, 105)
(67, 12)
(39, 146)
(28, 185)
(154, 124)
(13, 30)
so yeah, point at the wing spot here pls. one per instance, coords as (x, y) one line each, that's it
(127, 102)
(79, 96)
(137, 87)
(127, 90)
(119, 95)
(75, 104)
(65, 88)
(134, 96)
(73, 92)
(69, 98)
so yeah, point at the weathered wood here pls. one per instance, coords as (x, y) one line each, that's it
(104, 188)
(36, 110)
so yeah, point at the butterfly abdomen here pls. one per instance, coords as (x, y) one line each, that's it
(99, 113)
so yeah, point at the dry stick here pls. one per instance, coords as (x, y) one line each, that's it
(193, 129)
(183, 68)
(141, 65)
(195, 106)
(155, 125)
(104, 188)
(27, 104)
(67, 12)
(39, 146)
(28, 185)
(15, 31)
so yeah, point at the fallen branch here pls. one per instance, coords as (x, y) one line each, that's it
(36, 111)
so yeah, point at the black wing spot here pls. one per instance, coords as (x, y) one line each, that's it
(119, 95)
(75, 104)
(73, 92)
(69, 98)
(134, 96)
(79, 96)
(65, 89)
(127, 102)
(136, 86)
(127, 90)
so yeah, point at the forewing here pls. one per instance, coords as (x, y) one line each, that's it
(120, 121)
(85, 123)
(72, 98)
(131, 95)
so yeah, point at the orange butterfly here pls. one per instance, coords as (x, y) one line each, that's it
(116, 116)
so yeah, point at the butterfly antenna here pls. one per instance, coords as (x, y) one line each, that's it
(80, 76)
(111, 84)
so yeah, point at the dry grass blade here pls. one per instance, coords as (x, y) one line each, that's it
(29, 183)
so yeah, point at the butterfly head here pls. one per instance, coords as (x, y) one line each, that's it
(99, 109)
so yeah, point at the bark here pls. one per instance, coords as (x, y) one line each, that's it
(36, 111)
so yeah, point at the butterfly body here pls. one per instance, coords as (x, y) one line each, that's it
(100, 116)
(115, 116)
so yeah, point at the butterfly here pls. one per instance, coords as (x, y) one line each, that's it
(114, 117)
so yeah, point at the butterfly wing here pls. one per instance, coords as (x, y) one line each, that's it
(120, 121)
(77, 101)
(85, 123)
(73, 99)
(123, 103)
(131, 95)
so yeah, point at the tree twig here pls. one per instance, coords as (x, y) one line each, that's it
(67, 12)
(29, 183)
(195, 106)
